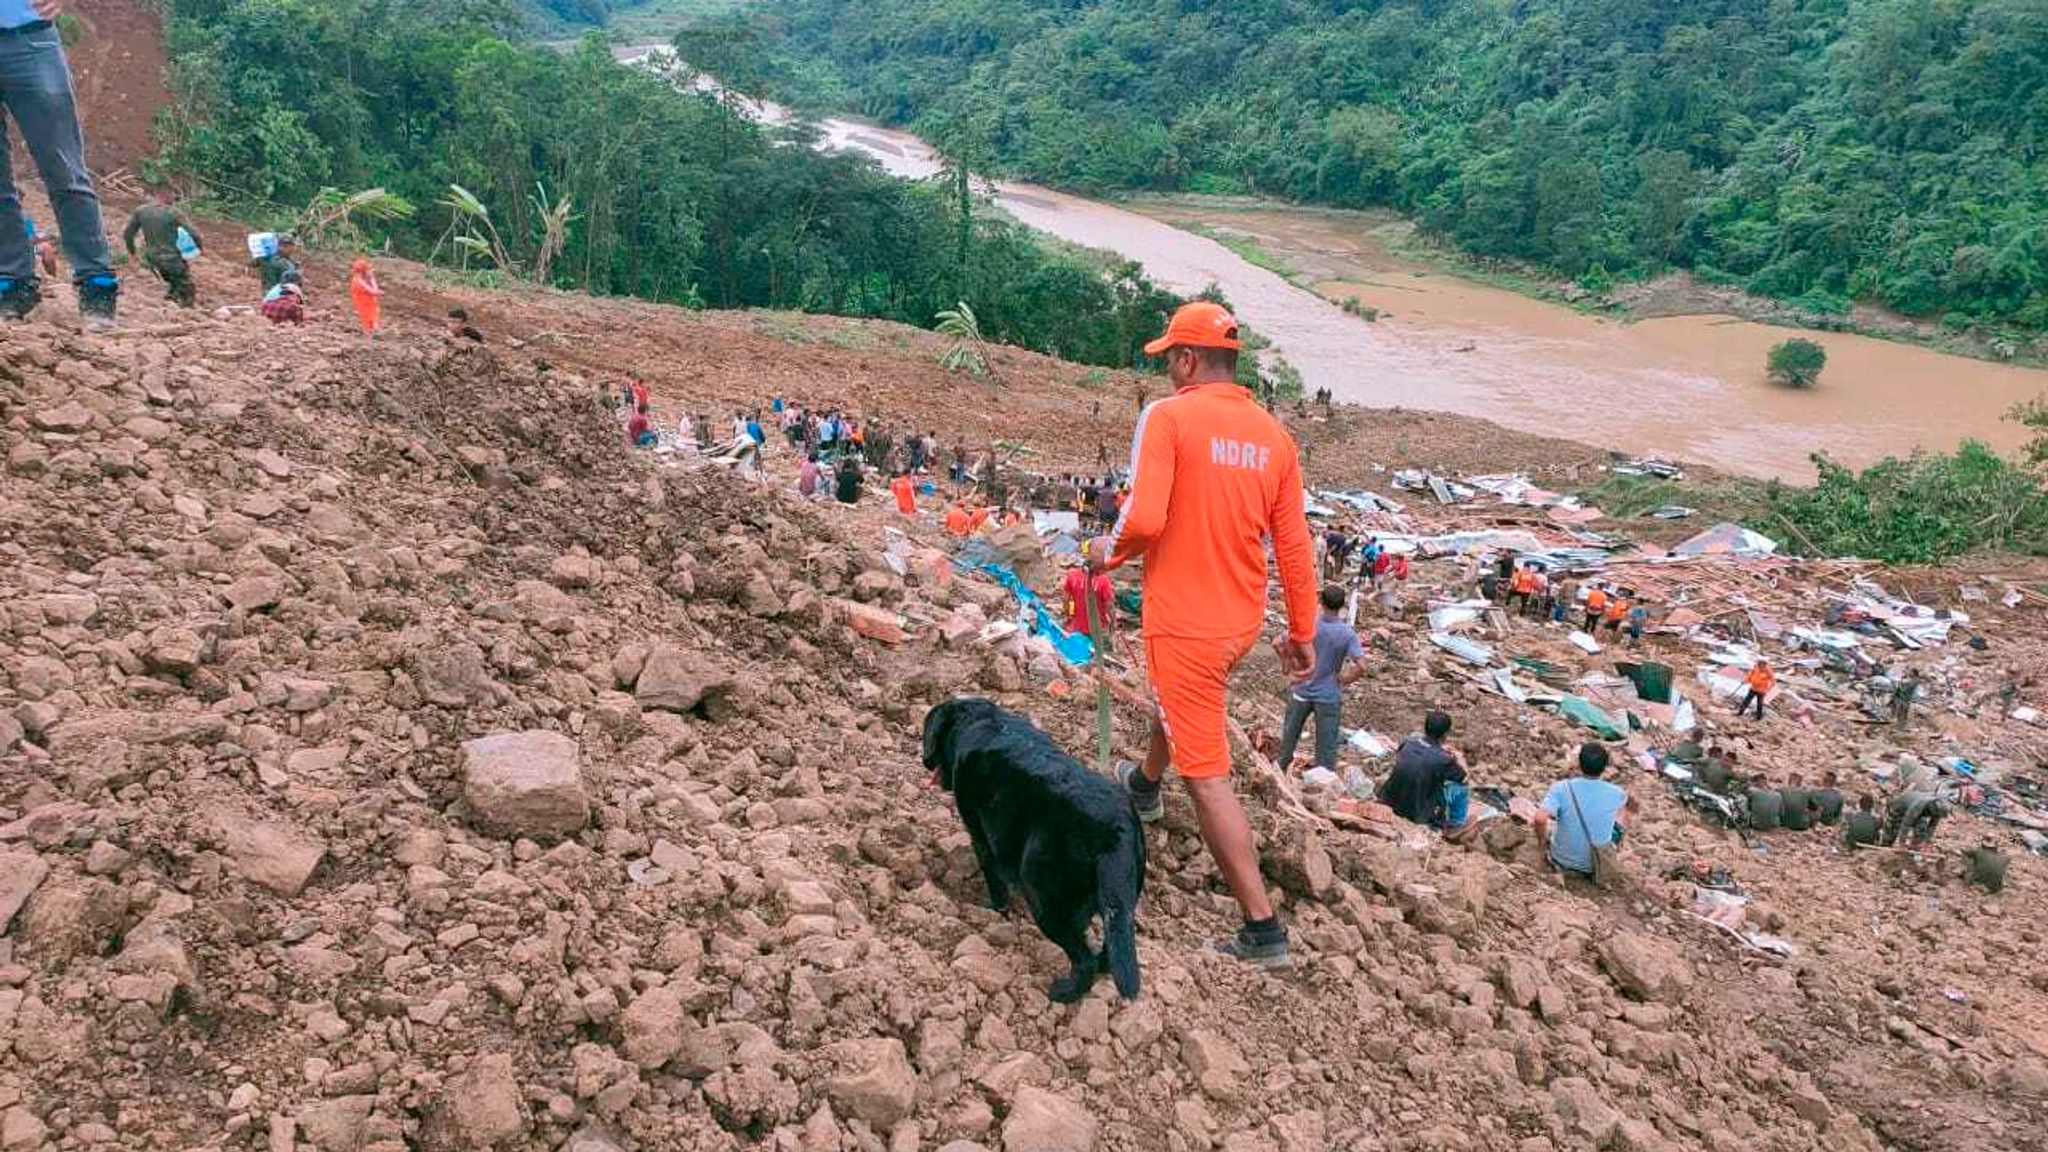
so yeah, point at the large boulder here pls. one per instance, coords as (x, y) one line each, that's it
(651, 1028)
(673, 680)
(525, 784)
(20, 873)
(1646, 967)
(484, 1109)
(276, 856)
(874, 1083)
(451, 674)
(1042, 1122)
(678, 680)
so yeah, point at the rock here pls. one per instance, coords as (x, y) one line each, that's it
(483, 1103)
(874, 1083)
(573, 570)
(1042, 1122)
(1302, 867)
(707, 1050)
(452, 675)
(591, 1138)
(1646, 966)
(336, 1125)
(21, 1129)
(69, 609)
(70, 416)
(1582, 1105)
(1215, 1061)
(277, 856)
(525, 784)
(175, 650)
(870, 621)
(758, 597)
(675, 680)
(20, 873)
(651, 1028)
(254, 593)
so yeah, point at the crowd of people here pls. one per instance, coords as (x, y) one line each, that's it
(160, 236)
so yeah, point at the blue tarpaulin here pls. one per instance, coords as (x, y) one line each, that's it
(1073, 647)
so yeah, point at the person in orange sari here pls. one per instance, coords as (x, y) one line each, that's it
(367, 296)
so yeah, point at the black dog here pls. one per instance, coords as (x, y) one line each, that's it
(1043, 824)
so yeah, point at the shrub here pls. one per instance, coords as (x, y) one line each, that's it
(1797, 362)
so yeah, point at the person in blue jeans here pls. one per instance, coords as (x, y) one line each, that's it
(1582, 812)
(35, 92)
(1340, 659)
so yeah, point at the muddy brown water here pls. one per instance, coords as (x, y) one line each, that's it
(1689, 387)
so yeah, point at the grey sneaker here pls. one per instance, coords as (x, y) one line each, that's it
(1261, 949)
(1148, 803)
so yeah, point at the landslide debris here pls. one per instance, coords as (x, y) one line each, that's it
(393, 761)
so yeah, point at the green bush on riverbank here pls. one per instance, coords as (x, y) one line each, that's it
(1925, 508)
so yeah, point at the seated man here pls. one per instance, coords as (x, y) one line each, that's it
(1716, 771)
(1796, 805)
(1861, 828)
(1422, 766)
(1766, 809)
(1580, 813)
(1827, 800)
(1987, 867)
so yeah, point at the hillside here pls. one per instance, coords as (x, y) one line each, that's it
(1818, 151)
(262, 585)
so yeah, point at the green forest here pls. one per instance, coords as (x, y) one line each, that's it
(1819, 151)
(671, 195)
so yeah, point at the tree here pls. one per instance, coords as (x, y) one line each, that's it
(967, 352)
(570, 168)
(1818, 150)
(1797, 362)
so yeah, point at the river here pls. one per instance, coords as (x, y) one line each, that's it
(1688, 387)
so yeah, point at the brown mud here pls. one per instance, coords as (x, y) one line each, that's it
(260, 586)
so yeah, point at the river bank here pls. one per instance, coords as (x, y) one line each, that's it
(1676, 293)
(1687, 387)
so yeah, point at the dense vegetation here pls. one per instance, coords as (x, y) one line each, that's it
(1927, 507)
(1822, 150)
(675, 196)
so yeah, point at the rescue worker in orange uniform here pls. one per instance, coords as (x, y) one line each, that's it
(1213, 477)
(1596, 608)
(1760, 681)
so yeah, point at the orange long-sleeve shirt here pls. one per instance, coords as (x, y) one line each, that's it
(1213, 476)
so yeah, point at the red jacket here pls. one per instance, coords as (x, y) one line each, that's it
(1077, 603)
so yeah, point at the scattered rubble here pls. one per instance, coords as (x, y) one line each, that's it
(393, 761)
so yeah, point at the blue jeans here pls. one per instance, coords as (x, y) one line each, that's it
(1327, 714)
(35, 93)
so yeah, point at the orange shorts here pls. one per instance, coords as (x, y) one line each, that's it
(1188, 678)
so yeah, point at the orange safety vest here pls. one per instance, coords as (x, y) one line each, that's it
(1596, 600)
(1762, 680)
(1617, 608)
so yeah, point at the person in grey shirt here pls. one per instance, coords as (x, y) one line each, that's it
(1340, 660)
(36, 93)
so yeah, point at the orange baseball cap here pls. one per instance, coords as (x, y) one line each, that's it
(1198, 325)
